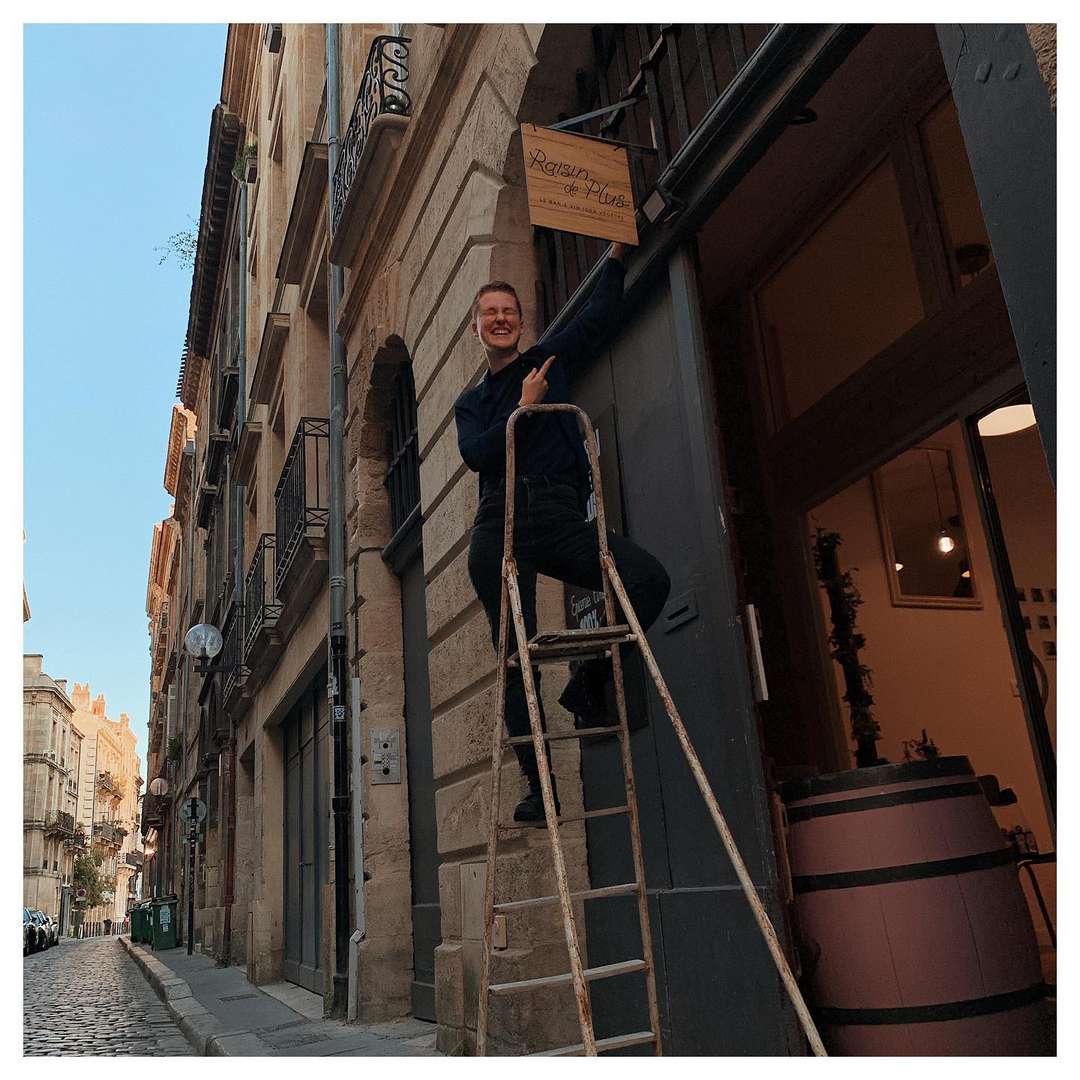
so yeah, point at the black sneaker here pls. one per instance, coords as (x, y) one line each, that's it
(531, 808)
(584, 695)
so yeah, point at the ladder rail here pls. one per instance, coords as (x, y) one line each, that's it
(624, 739)
(756, 906)
(577, 968)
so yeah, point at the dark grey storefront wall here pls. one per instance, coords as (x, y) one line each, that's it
(306, 737)
(1011, 139)
(711, 960)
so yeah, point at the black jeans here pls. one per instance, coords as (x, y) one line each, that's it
(551, 537)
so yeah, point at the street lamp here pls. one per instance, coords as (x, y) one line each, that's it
(159, 787)
(203, 642)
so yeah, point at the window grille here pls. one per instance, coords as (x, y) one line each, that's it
(403, 476)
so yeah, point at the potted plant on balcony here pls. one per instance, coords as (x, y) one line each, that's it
(246, 166)
(887, 861)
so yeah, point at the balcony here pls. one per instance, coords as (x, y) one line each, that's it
(108, 833)
(302, 513)
(110, 784)
(377, 124)
(262, 642)
(77, 839)
(232, 653)
(225, 385)
(134, 858)
(60, 824)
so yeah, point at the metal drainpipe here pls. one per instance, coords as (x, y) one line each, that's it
(180, 768)
(238, 576)
(339, 675)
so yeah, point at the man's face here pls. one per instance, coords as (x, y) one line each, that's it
(498, 321)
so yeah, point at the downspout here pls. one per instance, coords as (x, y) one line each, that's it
(238, 574)
(180, 768)
(339, 679)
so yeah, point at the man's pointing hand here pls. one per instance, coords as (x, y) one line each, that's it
(534, 386)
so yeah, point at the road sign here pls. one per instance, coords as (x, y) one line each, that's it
(186, 810)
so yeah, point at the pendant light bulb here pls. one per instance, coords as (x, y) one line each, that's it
(945, 543)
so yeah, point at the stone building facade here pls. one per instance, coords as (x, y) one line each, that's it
(52, 750)
(709, 470)
(108, 798)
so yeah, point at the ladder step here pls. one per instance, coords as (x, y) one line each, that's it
(606, 812)
(615, 1042)
(586, 894)
(590, 633)
(561, 644)
(608, 971)
(558, 736)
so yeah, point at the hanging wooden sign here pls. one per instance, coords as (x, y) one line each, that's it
(578, 184)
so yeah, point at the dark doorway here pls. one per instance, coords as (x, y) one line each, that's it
(306, 734)
(405, 556)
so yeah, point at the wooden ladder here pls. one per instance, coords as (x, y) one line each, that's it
(556, 646)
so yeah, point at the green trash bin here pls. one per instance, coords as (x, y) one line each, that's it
(163, 932)
(140, 922)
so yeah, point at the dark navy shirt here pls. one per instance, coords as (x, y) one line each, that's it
(548, 444)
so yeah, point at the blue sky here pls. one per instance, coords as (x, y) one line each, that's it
(116, 119)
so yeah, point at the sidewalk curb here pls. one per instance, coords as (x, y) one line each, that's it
(206, 1034)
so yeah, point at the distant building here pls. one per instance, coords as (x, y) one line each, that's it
(51, 754)
(107, 813)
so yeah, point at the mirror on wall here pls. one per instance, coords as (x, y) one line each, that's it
(922, 531)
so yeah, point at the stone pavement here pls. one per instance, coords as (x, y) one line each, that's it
(221, 1013)
(87, 998)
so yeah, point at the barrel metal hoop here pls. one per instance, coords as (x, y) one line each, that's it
(879, 802)
(931, 1014)
(888, 875)
(876, 776)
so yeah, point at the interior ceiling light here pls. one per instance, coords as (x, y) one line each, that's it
(1006, 420)
(945, 542)
(899, 567)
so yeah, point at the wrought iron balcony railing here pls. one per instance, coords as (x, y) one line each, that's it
(78, 839)
(303, 492)
(60, 824)
(261, 605)
(106, 832)
(382, 91)
(107, 782)
(232, 651)
(134, 858)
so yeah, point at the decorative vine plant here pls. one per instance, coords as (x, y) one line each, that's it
(845, 643)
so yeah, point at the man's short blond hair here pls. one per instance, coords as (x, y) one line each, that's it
(495, 286)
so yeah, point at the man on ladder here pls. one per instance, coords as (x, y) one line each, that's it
(552, 535)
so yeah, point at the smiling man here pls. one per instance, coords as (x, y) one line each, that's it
(552, 535)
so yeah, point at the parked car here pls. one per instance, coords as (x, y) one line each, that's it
(54, 928)
(37, 937)
(44, 933)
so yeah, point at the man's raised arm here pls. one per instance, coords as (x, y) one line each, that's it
(579, 340)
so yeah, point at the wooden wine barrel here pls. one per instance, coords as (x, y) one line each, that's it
(908, 894)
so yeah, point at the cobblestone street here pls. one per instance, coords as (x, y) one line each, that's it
(89, 997)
